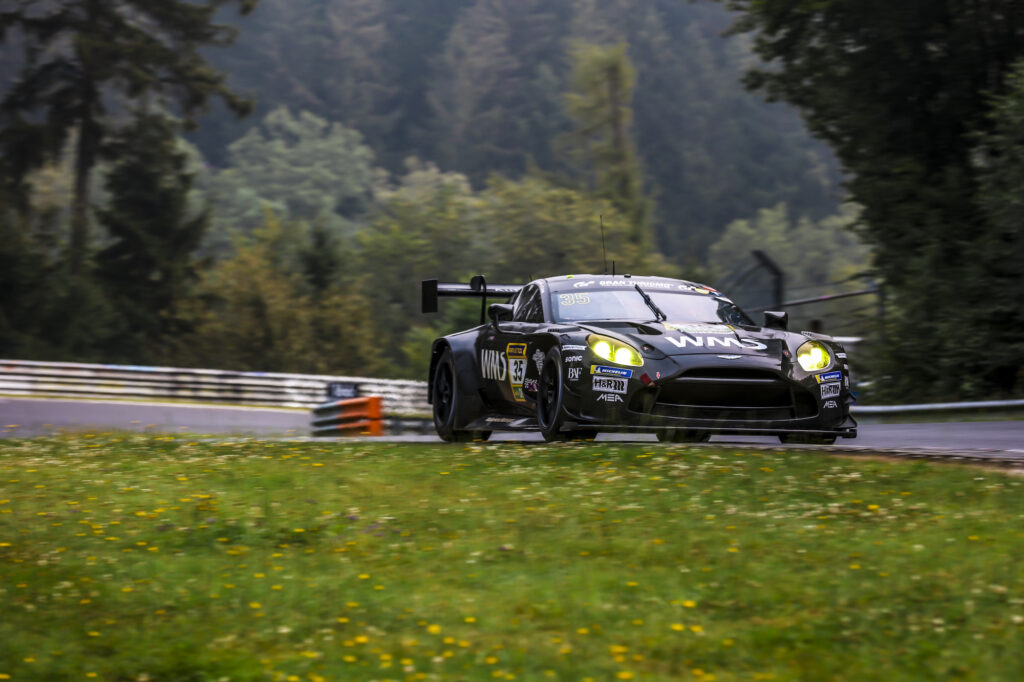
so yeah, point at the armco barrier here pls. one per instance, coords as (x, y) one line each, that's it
(350, 417)
(402, 399)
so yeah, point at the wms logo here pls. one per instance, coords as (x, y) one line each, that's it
(492, 365)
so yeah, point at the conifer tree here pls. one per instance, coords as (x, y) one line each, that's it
(86, 60)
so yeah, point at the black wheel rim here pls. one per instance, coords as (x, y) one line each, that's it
(444, 394)
(548, 397)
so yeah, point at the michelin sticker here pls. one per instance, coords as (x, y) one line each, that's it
(611, 371)
(516, 354)
(538, 359)
(830, 390)
(828, 376)
(609, 384)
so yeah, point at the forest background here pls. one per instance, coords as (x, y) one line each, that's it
(262, 186)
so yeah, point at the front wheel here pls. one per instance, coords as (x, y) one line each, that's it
(806, 439)
(445, 398)
(550, 395)
(683, 436)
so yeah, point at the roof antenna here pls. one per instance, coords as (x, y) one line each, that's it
(603, 252)
(613, 268)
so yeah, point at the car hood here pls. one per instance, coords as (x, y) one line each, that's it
(696, 338)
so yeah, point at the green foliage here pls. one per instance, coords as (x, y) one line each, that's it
(83, 59)
(599, 105)
(301, 166)
(997, 256)
(147, 266)
(476, 86)
(897, 92)
(817, 257)
(255, 310)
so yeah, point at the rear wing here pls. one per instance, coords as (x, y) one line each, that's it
(477, 288)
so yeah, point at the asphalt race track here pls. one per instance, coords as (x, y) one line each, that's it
(26, 417)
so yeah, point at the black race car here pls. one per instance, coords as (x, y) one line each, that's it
(571, 356)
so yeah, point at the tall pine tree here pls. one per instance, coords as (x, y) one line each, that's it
(85, 61)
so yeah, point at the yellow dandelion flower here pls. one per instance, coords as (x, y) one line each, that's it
(696, 628)
(434, 629)
(491, 660)
(583, 631)
(470, 619)
(624, 675)
(255, 605)
(678, 627)
(362, 639)
(690, 604)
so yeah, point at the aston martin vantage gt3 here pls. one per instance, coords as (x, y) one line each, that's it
(575, 355)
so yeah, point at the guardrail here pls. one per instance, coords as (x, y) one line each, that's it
(402, 398)
(936, 408)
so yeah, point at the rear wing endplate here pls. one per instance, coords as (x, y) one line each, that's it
(477, 288)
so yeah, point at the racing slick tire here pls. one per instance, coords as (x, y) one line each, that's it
(550, 396)
(806, 439)
(683, 436)
(444, 396)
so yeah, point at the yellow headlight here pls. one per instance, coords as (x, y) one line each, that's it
(813, 356)
(614, 351)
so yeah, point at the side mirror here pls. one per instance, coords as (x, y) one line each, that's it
(499, 312)
(776, 319)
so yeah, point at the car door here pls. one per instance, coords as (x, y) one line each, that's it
(504, 353)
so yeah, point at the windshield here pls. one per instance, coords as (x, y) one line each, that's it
(628, 304)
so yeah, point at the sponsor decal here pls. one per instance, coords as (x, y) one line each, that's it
(574, 358)
(492, 364)
(530, 385)
(830, 390)
(610, 398)
(611, 371)
(841, 355)
(828, 376)
(583, 283)
(499, 420)
(516, 354)
(730, 357)
(698, 328)
(573, 299)
(609, 384)
(830, 403)
(711, 341)
(630, 282)
(538, 359)
(572, 346)
(574, 373)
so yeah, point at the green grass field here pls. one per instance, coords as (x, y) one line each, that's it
(166, 558)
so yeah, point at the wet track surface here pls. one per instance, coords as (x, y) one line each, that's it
(26, 417)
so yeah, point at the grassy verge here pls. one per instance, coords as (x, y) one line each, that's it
(147, 558)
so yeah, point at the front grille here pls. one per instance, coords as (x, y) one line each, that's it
(731, 394)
